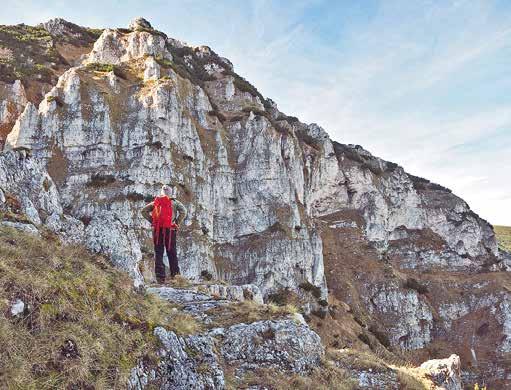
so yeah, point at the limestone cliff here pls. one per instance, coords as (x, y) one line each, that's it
(271, 201)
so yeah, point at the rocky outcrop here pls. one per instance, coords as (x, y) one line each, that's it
(408, 313)
(114, 47)
(31, 198)
(192, 362)
(200, 361)
(445, 373)
(198, 303)
(12, 102)
(420, 224)
(140, 24)
(17, 308)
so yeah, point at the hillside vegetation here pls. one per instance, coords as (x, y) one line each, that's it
(83, 325)
(504, 237)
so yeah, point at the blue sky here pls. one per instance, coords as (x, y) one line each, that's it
(422, 83)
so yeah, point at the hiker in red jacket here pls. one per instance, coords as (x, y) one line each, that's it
(166, 214)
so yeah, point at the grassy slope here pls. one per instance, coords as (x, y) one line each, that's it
(504, 237)
(84, 326)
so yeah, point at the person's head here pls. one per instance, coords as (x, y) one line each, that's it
(167, 190)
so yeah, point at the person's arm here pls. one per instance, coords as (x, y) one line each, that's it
(182, 211)
(146, 212)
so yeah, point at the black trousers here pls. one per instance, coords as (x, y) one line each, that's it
(165, 240)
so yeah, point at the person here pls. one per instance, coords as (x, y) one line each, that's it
(166, 214)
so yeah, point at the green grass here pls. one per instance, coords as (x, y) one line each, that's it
(32, 53)
(98, 67)
(503, 237)
(73, 298)
(95, 32)
(26, 33)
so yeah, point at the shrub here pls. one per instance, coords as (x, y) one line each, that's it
(206, 275)
(135, 196)
(55, 99)
(421, 184)
(26, 33)
(85, 220)
(98, 67)
(380, 336)
(95, 32)
(244, 86)
(235, 118)
(414, 284)
(196, 72)
(364, 338)
(359, 321)
(100, 180)
(163, 61)
(280, 297)
(105, 68)
(221, 117)
(314, 290)
(292, 119)
(256, 111)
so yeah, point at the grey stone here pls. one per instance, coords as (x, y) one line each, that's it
(139, 22)
(445, 373)
(17, 308)
(281, 344)
(24, 227)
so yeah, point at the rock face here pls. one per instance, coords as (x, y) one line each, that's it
(12, 102)
(247, 216)
(280, 345)
(31, 198)
(272, 201)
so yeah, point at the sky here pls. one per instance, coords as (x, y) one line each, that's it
(423, 83)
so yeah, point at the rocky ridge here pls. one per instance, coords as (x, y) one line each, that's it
(224, 357)
(199, 361)
(272, 201)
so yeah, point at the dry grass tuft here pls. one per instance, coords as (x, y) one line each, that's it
(179, 281)
(358, 360)
(325, 377)
(411, 378)
(183, 323)
(247, 312)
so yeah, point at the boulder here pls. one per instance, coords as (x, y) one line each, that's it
(139, 23)
(445, 373)
(17, 308)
